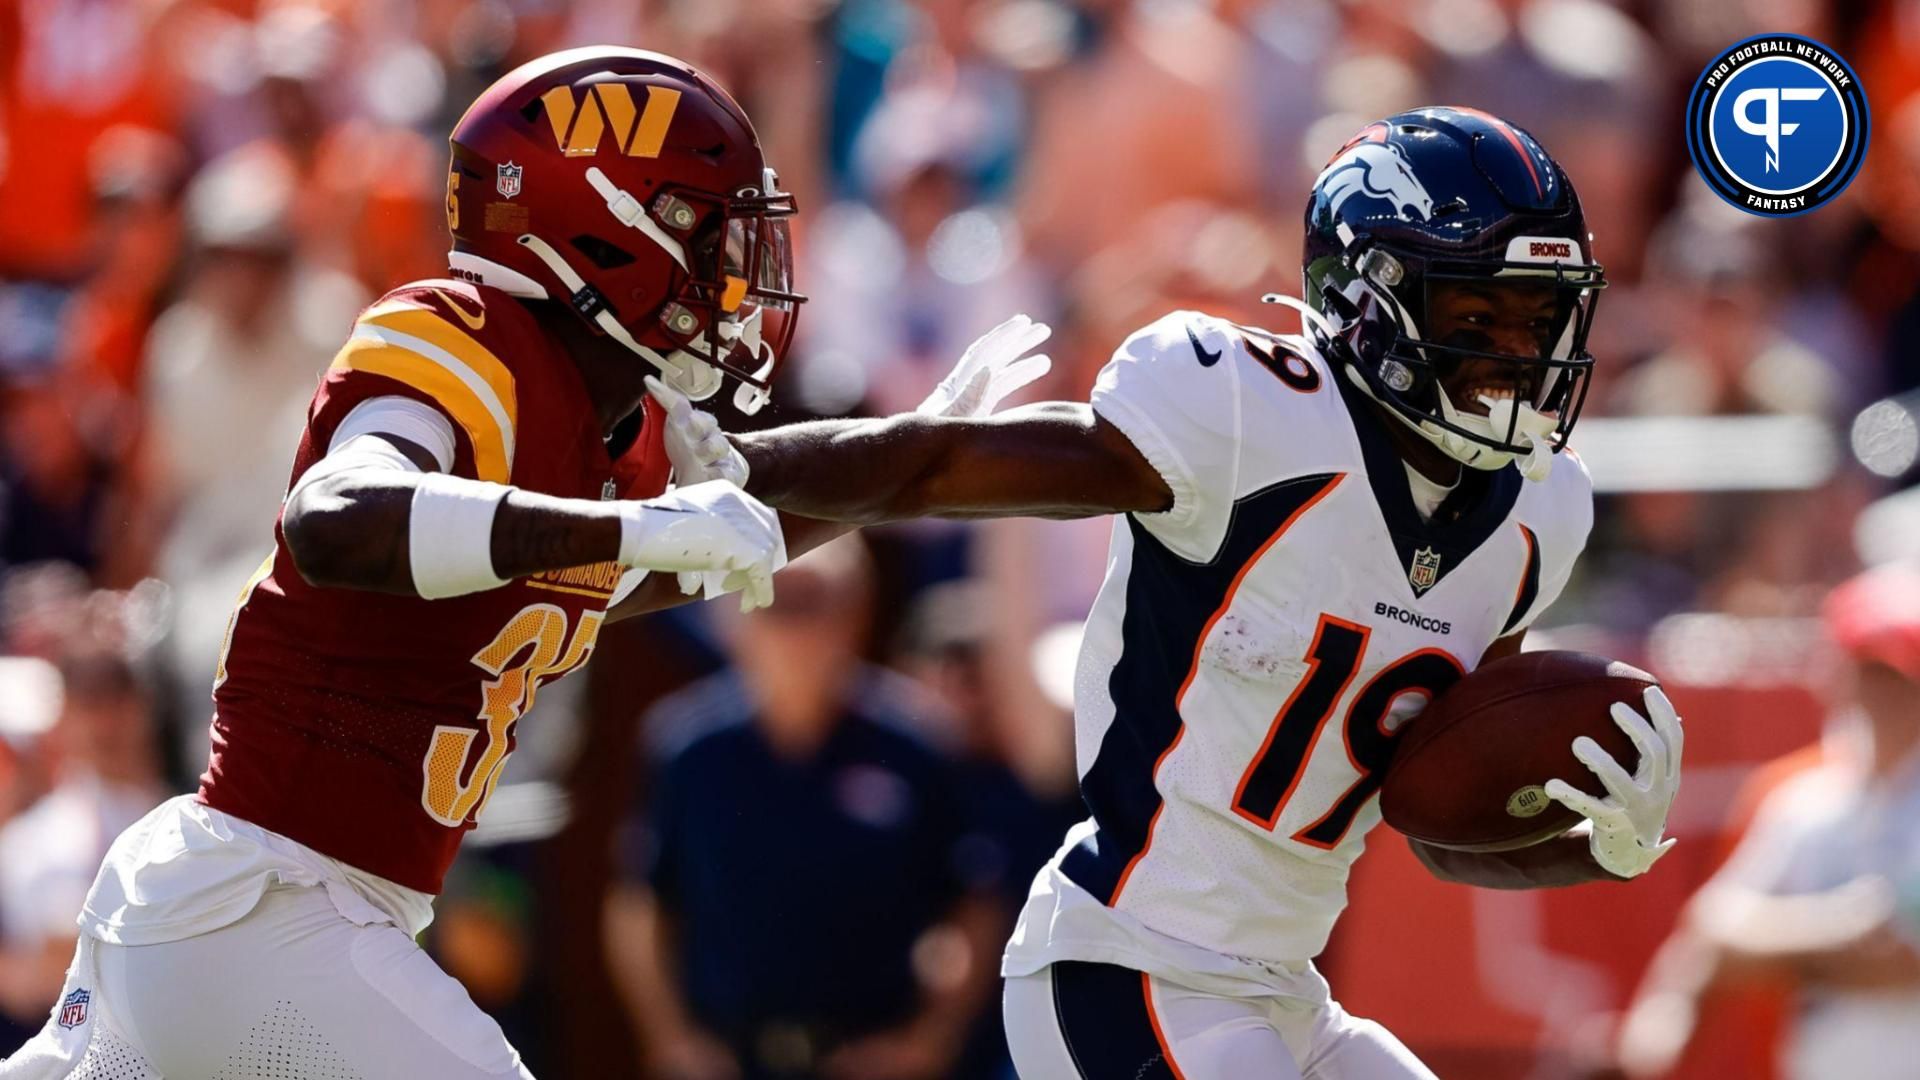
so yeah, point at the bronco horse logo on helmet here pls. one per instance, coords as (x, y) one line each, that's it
(1377, 170)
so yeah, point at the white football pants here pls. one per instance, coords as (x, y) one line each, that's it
(292, 991)
(1075, 1021)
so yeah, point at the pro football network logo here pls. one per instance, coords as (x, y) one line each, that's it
(1777, 125)
(73, 1009)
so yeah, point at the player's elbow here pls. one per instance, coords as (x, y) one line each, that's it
(330, 536)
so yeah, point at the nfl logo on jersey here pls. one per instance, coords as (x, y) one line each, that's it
(506, 179)
(73, 1010)
(1424, 571)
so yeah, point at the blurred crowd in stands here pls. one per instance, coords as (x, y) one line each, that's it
(790, 845)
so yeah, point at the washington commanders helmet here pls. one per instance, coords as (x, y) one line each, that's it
(1446, 195)
(632, 187)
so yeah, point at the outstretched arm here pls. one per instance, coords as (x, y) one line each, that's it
(376, 514)
(1056, 460)
(952, 457)
(831, 476)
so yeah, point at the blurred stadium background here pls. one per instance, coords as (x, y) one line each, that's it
(196, 196)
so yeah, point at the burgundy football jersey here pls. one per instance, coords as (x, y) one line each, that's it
(373, 727)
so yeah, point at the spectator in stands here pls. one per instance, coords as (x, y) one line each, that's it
(29, 706)
(231, 368)
(902, 285)
(804, 899)
(106, 776)
(1722, 294)
(1823, 894)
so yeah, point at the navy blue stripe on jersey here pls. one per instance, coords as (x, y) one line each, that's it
(1468, 517)
(1107, 1022)
(1171, 604)
(1529, 582)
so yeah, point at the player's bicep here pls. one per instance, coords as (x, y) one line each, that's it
(1056, 459)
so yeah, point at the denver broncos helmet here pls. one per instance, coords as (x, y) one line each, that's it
(1435, 196)
(630, 186)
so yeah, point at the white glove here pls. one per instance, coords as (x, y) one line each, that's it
(711, 533)
(696, 446)
(1629, 822)
(990, 369)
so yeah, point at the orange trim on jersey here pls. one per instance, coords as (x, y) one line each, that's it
(432, 327)
(445, 388)
(1193, 669)
(1153, 1021)
(1152, 822)
(1346, 739)
(1533, 552)
(1320, 725)
(1234, 588)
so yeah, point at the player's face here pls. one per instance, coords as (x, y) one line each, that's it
(1512, 318)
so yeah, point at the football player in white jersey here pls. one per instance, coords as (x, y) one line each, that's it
(1319, 533)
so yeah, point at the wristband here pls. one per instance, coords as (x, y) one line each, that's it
(450, 535)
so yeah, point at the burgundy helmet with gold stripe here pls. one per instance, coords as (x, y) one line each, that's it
(631, 187)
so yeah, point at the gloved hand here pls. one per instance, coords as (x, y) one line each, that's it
(1629, 822)
(991, 368)
(711, 533)
(696, 446)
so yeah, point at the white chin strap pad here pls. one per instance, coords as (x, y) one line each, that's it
(1531, 429)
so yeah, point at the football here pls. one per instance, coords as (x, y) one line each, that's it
(1471, 769)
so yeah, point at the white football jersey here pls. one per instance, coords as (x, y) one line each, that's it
(1254, 649)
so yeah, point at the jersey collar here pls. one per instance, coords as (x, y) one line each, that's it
(1465, 519)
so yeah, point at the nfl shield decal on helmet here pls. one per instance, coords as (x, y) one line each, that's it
(506, 180)
(1424, 571)
(73, 1009)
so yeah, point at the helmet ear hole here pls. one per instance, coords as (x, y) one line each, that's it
(603, 254)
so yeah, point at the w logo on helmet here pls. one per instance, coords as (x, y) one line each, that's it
(1376, 170)
(578, 127)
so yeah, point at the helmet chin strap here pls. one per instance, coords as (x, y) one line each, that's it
(1533, 428)
(682, 370)
(1530, 428)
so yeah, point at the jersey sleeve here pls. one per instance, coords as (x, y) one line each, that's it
(1560, 536)
(1172, 389)
(420, 344)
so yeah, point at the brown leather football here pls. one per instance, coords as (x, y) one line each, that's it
(1470, 769)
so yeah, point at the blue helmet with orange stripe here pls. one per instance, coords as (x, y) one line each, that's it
(630, 186)
(1439, 197)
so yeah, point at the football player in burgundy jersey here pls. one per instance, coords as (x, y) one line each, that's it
(479, 476)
